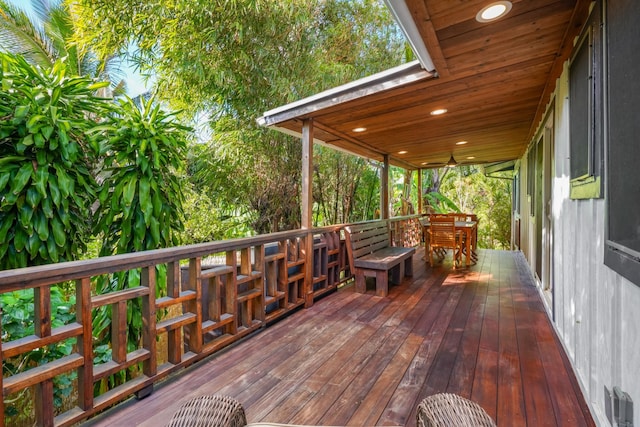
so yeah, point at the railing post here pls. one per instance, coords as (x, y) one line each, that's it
(148, 279)
(85, 343)
(174, 336)
(195, 306)
(42, 328)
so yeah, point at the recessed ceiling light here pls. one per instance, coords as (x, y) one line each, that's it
(493, 11)
(402, 152)
(359, 129)
(470, 158)
(438, 111)
(461, 142)
(424, 163)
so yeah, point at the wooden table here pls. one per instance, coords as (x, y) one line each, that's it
(467, 227)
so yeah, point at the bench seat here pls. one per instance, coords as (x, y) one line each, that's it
(384, 259)
(371, 255)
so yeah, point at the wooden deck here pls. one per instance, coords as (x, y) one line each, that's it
(355, 359)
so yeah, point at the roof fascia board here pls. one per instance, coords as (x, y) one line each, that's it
(405, 20)
(389, 79)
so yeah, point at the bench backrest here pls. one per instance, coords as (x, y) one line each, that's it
(363, 239)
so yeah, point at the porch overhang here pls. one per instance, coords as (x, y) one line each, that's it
(494, 79)
(289, 118)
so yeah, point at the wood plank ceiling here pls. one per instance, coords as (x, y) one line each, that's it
(494, 79)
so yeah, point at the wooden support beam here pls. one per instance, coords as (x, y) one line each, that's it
(419, 191)
(307, 173)
(384, 189)
(307, 207)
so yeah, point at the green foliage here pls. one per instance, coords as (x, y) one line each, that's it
(140, 199)
(206, 222)
(489, 198)
(345, 188)
(48, 38)
(440, 203)
(46, 184)
(141, 195)
(237, 59)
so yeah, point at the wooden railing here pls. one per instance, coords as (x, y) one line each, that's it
(215, 294)
(406, 230)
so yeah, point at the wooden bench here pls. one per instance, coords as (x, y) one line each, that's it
(371, 255)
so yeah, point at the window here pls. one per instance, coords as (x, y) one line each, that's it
(622, 249)
(585, 111)
(516, 192)
(531, 179)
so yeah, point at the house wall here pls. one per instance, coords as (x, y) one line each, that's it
(596, 311)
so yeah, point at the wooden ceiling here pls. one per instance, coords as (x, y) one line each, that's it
(495, 79)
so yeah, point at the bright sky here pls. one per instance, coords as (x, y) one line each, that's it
(135, 82)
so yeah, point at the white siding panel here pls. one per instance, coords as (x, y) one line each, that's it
(597, 312)
(630, 345)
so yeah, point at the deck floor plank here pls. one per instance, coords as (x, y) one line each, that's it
(357, 359)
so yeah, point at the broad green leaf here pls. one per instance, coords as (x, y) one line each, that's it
(155, 232)
(4, 179)
(21, 110)
(20, 239)
(39, 140)
(21, 178)
(157, 204)
(54, 190)
(26, 212)
(52, 249)
(33, 121)
(139, 228)
(145, 200)
(47, 208)
(41, 157)
(41, 225)
(42, 175)
(64, 217)
(6, 223)
(33, 245)
(58, 232)
(11, 161)
(64, 182)
(47, 131)
(130, 190)
(33, 197)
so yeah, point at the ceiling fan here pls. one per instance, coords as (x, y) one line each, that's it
(449, 164)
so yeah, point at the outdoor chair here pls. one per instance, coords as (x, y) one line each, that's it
(443, 236)
(439, 410)
(215, 410)
(451, 410)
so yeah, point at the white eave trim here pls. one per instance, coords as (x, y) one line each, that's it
(385, 80)
(403, 17)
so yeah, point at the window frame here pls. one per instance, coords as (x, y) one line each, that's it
(589, 184)
(619, 257)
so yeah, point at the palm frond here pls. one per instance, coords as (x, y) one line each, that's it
(41, 9)
(19, 35)
(59, 28)
(119, 89)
